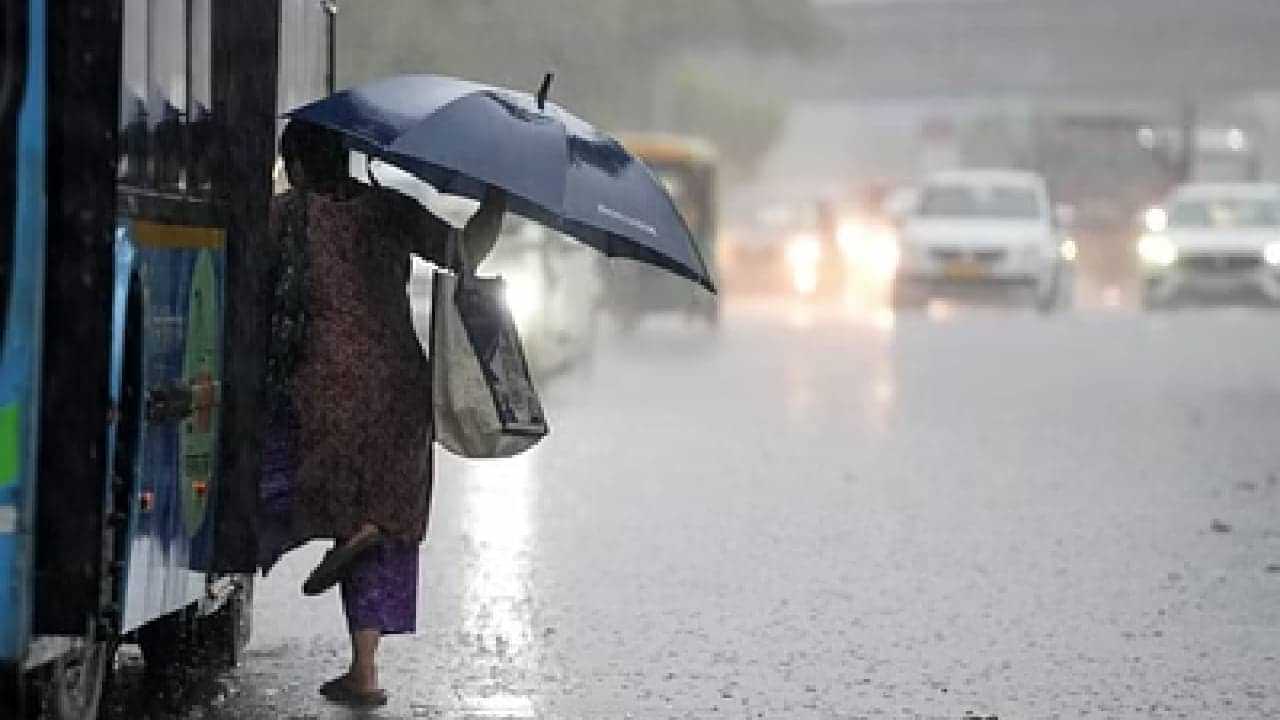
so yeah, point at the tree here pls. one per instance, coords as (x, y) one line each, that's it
(613, 58)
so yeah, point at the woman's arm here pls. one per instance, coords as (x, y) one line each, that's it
(481, 231)
(425, 234)
(428, 235)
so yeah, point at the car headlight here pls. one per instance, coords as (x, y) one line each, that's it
(1156, 219)
(803, 254)
(1157, 250)
(884, 254)
(850, 236)
(1271, 254)
(803, 250)
(1068, 250)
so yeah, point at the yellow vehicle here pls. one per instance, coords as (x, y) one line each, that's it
(687, 168)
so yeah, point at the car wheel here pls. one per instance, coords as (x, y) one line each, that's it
(1151, 300)
(1046, 299)
(20, 696)
(906, 295)
(73, 689)
(1066, 296)
(221, 637)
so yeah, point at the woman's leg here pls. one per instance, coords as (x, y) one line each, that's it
(379, 597)
(363, 675)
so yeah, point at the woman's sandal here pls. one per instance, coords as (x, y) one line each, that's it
(337, 690)
(330, 685)
(334, 566)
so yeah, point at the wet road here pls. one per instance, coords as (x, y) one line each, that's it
(827, 514)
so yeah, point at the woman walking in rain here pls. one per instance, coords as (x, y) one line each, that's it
(348, 447)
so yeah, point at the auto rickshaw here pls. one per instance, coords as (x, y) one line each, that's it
(687, 168)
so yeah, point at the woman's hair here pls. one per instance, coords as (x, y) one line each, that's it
(320, 151)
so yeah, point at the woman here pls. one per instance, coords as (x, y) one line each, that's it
(348, 448)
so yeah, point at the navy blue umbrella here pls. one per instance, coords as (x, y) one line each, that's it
(557, 169)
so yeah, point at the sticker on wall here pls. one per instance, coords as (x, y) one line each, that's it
(10, 439)
(199, 433)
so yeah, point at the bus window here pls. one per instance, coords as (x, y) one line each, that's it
(167, 98)
(166, 95)
(304, 52)
(200, 131)
(304, 61)
(133, 94)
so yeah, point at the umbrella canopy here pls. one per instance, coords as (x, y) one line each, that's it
(557, 169)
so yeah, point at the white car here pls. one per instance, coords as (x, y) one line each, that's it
(555, 291)
(1212, 241)
(975, 233)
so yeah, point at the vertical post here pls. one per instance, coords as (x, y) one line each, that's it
(81, 125)
(1187, 163)
(246, 46)
(331, 78)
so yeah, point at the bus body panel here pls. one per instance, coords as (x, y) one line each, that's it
(122, 275)
(180, 270)
(20, 358)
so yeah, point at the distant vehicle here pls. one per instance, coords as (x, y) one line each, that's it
(867, 239)
(554, 285)
(687, 167)
(555, 292)
(1108, 165)
(982, 232)
(809, 247)
(775, 245)
(1212, 241)
(1225, 155)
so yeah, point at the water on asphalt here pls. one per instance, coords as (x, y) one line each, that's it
(818, 512)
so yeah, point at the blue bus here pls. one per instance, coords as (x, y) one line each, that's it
(138, 154)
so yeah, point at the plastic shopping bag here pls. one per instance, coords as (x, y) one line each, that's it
(483, 398)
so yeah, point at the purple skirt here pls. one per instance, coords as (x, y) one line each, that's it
(381, 593)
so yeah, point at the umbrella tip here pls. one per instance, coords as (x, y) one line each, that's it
(542, 91)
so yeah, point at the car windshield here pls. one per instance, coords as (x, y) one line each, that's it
(681, 183)
(1225, 213)
(979, 201)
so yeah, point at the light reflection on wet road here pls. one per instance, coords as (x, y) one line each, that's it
(833, 512)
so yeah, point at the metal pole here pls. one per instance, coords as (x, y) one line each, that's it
(1189, 123)
(331, 9)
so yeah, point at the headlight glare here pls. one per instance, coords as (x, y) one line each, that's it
(804, 249)
(1156, 219)
(1069, 250)
(523, 293)
(1271, 253)
(1157, 250)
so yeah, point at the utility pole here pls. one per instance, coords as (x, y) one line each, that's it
(331, 77)
(1187, 163)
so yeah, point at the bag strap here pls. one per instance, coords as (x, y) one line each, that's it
(454, 252)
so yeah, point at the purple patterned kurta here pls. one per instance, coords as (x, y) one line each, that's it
(362, 387)
(349, 438)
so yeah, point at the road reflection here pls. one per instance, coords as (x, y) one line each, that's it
(497, 531)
